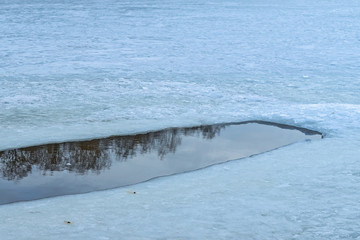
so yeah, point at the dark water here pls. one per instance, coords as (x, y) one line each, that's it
(78, 167)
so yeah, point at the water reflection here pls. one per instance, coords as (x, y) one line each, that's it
(96, 155)
(74, 167)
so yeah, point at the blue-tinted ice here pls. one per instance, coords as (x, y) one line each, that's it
(76, 70)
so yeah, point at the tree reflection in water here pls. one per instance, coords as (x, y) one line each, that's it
(95, 155)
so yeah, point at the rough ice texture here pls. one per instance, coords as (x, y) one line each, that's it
(79, 69)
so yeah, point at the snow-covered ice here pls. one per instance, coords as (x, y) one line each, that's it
(82, 69)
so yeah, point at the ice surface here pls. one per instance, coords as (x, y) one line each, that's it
(83, 69)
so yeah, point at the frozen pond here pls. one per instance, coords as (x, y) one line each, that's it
(72, 71)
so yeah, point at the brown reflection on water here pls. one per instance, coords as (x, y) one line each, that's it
(95, 155)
